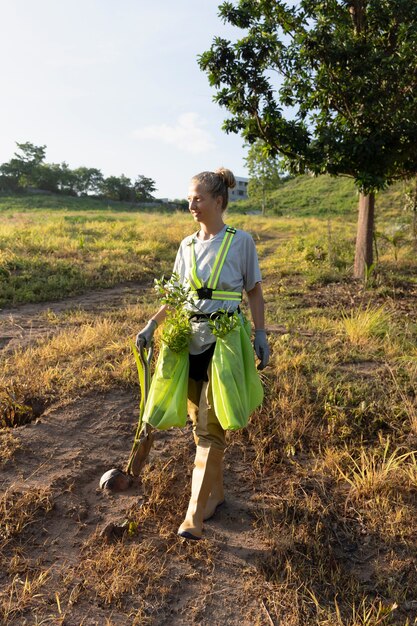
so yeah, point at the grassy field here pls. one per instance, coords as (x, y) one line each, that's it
(331, 458)
(52, 247)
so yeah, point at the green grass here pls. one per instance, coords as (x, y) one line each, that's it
(322, 196)
(29, 202)
(47, 255)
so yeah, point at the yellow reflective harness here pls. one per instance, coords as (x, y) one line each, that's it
(209, 291)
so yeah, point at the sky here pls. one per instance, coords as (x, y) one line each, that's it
(115, 84)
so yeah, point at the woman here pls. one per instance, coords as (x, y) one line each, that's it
(197, 260)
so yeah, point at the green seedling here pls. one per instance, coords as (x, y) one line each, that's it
(177, 327)
(177, 330)
(171, 292)
(223, 323)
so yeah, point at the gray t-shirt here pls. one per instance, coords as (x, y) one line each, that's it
(240, 271)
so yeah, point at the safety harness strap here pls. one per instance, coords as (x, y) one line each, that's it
(220, 258)
(209, 291)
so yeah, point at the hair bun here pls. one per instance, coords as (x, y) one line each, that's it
(228, 177)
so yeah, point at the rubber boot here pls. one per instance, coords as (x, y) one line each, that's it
(216, 497)
(206, 469)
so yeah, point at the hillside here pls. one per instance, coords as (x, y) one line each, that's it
(321, 196)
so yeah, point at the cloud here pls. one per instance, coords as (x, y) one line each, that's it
(187, 134)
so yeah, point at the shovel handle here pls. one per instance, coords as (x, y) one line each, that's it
(143, 430)
(146, 359)
(145, 355)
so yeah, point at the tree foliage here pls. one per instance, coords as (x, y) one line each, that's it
(330, 84)
(144, 188)
(30, 154)
(88, 180)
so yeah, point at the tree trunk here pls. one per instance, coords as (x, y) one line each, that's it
(364, 237)
(357, 10)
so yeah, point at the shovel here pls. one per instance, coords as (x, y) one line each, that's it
(144, 436)
(115, 479)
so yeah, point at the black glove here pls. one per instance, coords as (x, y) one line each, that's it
(144, 337)
(261, 347)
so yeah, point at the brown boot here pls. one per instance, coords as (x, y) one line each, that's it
(216, 497)
(206, 469)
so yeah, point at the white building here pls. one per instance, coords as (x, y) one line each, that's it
(240, 192)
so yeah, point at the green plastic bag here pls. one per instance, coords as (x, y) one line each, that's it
(237, 388)
(166, 405)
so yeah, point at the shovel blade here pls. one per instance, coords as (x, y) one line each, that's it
(140, 454)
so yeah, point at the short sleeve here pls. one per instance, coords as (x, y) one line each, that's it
(178, 264)
(182, 260)
(250, 270)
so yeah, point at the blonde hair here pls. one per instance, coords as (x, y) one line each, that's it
(217, 183)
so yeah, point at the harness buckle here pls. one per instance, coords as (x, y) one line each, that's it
(205, 293)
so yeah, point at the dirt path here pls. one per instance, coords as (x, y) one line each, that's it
(26, 323)
(67, 450)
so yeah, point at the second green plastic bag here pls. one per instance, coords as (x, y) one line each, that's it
(237, 388)
(166, 405)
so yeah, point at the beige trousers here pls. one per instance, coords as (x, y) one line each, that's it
(206, 427)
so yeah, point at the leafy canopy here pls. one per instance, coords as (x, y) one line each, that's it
(330, 84)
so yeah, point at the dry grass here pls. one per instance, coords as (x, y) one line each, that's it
(115, 574)
(18, 510)
(376, 471)
(334, 464)
(363, 324)
(23, 594)
(9, 445)
(366, 612)
(139, 573)
(85, 351)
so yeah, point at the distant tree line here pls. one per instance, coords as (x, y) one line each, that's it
(28, 170)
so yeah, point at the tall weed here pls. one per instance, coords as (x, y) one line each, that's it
(365, 323)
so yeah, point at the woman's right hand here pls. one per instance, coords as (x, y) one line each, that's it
(261, 348)
(145, 336)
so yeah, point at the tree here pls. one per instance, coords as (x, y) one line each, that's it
(21, 171)
(47, 177)
(87, 179)
(9, 178)
(67, 179)
(144, 187)
(30, 154)
(28, 169)
(265, 172)
(117, 188)
(331, 85)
